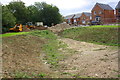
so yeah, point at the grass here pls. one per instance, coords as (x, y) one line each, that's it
(13, 34)
(25, 75)
(50, 48)
(105, 35)
(21, 75)
(53, 55)
(101, 26)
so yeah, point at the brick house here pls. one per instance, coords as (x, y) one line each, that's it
(69, 19)
(77, 19)
(117, 9)
(103, 13)
(86, 18)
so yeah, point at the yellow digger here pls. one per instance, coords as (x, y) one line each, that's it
(29, 25)
(17, 28)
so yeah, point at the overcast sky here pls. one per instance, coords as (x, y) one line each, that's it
(67, 7)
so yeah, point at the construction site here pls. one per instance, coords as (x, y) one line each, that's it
(38, 42)
(46, 54)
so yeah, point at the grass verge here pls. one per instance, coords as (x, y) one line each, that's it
(103, 26)
(105, 35)
(13, 34)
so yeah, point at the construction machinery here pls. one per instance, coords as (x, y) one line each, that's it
(17, 28)
(29, 25)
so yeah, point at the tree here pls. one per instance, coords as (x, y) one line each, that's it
(8, 19)
(49, 14)
(33, 14)
(19, 10)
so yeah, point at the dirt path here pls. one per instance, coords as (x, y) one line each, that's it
(92, 60)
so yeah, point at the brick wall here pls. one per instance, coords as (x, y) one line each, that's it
(85, 18)
(70, 22)
(97, 9)
(117, 16)
(106, 16)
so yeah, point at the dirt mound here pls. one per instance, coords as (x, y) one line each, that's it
(41, 28)
(59, 27)
(25, 29)
(23, 53)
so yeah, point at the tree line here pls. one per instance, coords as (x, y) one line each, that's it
(17, 13)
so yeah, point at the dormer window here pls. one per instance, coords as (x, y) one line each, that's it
(94, 12)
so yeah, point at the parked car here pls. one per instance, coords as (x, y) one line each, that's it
(95, 23)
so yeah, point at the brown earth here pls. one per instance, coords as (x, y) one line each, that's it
(59, 27)
(23, 53)
(92, 60)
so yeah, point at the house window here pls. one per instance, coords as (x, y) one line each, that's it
(97, 19)
(100, 12)
(68, 20)
(84, 18)
(83, 22)
(94, 13)
(90, 17)
(119, 10)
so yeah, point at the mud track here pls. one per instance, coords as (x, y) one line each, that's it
(92, 60)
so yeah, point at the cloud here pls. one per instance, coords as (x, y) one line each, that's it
(70, 6)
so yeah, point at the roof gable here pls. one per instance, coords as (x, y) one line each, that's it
(118, 5)
(104, 6)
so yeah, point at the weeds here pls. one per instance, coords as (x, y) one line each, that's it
(25, 75)
(21, 75)
(53, 55)
(41, 75)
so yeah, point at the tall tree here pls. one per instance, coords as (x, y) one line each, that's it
(19, 10)
(49, 14)
(8, 19)
(33, 14)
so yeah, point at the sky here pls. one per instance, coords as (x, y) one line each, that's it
(68, 7)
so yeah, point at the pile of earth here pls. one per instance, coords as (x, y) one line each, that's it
(59, 27)
(25, 29)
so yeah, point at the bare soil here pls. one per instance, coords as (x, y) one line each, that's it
(23, 54)
(92, 60)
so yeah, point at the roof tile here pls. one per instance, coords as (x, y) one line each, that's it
(105, 6)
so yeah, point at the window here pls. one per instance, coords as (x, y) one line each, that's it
(119, 10)
(83, 18)
(100, 12)
(90, 17)
(68, 20)
(94, 13)
(97, 19)
(83, 22)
